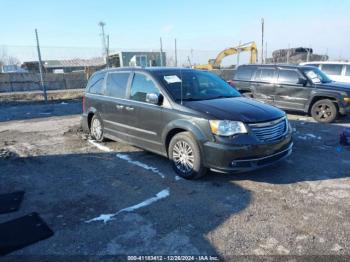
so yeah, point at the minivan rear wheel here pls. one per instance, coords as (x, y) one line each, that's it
(96, 128)
(324, 111)
(186, 157)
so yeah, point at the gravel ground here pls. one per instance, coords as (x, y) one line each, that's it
(298, 207)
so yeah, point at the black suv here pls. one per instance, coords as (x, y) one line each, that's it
(193, 117)
(300, 88)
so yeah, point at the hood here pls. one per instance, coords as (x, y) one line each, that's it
(336, 85)
(236, 109)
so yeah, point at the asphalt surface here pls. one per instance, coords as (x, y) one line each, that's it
(298, 207)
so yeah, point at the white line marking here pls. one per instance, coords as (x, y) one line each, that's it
(127, 158)
(140, 164)
(107, 217)
(99, 146)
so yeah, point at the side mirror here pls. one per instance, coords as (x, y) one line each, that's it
(231, 83)
(155, 99)
(302, 81)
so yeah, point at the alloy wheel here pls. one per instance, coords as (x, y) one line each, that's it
(323, 112)
(183, 157)
(96, 129)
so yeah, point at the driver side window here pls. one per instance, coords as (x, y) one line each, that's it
(141, 86)
(288, 77)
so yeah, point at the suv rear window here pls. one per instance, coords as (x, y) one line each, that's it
(244, 73)
(95, 84)
(116, 84)
(332, 69)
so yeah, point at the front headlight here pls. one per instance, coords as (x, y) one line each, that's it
(227, 128)
(346, 99)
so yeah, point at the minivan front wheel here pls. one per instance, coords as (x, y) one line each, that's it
(186, 157)
(96, 129)
(324, 111)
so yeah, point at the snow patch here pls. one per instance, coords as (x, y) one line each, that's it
(107, 217)
(302, 137)
(100, 146)
(140, 164)
(337, 248)
(177, 178)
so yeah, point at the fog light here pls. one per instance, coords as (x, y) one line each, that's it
(233, 163)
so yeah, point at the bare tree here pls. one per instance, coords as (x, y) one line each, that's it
(6, 59)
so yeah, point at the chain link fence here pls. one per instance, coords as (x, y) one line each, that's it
(68, 68)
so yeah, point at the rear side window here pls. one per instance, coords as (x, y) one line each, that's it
(265, 75)
(141, 86)
(244, 73)
(347, 72)
(332, 69)
(95, 84)
(288, 77)
(117, 84)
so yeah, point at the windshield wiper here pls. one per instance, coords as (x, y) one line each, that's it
(218, 97)
(189, 99)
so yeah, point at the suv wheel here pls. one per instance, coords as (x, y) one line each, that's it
(186, 157)
(324, 111)
(96, 129)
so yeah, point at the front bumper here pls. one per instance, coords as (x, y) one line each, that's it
(243, 158)
(344, 110)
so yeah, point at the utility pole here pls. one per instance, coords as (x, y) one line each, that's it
(161, 52)
(238, 53)
(103, 37)
(40, 65)
(262, 40)
(265, 51)
(175, 53)
(308, 54)
(107, 52)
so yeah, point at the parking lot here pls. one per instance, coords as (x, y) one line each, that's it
(112, 198)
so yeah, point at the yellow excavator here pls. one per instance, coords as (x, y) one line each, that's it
(215, 63)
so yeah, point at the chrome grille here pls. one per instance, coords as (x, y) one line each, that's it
(270, 131)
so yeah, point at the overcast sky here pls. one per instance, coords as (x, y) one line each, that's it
(198, 25)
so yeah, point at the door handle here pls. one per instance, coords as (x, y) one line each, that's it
(119, 107)
(128, 108)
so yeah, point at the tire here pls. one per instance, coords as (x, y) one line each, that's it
(324, 111)
(186, 157)
(96, 128)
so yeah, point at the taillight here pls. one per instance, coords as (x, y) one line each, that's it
(83, 103)
(231, 83)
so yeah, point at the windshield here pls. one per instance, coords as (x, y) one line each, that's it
(195, 85)
(316, 75)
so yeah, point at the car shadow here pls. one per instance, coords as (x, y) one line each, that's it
(24, 111)
(69, 189)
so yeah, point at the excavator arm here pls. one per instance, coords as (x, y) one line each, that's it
(215, 63)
